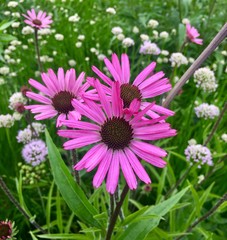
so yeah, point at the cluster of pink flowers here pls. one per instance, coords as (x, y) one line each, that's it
(114, 115)
(117, 120)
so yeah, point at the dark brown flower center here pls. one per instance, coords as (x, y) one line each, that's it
(37, 22)
(128, 93)
(5, 230)
(116, 133)
(62, 102)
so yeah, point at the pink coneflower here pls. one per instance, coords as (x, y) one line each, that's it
(39, 21)
(192, 34)
(120, 140)
(5, 230)
(56, 95)
(146, 85)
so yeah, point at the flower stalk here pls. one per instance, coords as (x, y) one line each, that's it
(37, 50)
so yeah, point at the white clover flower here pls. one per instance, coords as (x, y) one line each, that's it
(25, 47)
(7, 13)
(144, 37)
(2, 81)
(109, 52)
(27, 30)
(74, 18)
(164, 35)
(15, 24)
(185, 21)
(152, 23)
(94, 50)
(78, 44)
(101, 57)
(12, 48)
(200, 178)
(191, 60)
(87, 59)
(207, 111)
(15, 43)
(165, 60)
(59, 37)
(17, 116)
(205, 79)
(4, 70)
(224, 137)
(81, 37)
(92, 22)
(72, 63)
(128, 42)
(177, 59)
(120, 37)
(199, 154)
(24, 136)
(111, 10)
(159, 60)
(7, 51)
(12, 4)
(155, 34)
(116, 30)
(224, 53)
(38, 127)
(149, 48)
(164, 53)
(135, 30)
(6, 121)
(15, 99)
(173, 31)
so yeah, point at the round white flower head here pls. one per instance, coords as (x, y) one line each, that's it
(34, 152)
(78, 44)
(205, 79)
(111, 10)
(192, 142)
(12, 4)
(152, 23)
(224, 137)
(15, 43)
(164, 35)
(200, 178)
(101, 57)
(120, 37)
(199, 154)
(4, 70)
(207, 111)
(24, 136)
(177, 59)
(45, 31)
(15, 99)
(59, 37)
(135, 29)
(81, 37)
(224, 53)
(128, 42)
(74, 18)
(27, 30)
(165, 52)
(17, 116)
(149, 48)
(6, 121)
(72, 63)
(185, 21)
(116, 30)
(15, 24)
(144, 37)
(2, 81)
(38, 127)
(15, 14)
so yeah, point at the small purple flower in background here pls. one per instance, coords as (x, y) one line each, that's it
(149, 48)
(5, 230)
(207, 111)
(39, 21)
(192, 34)
(199, 154)
(120, 140)
(34, 152)
(56, 95)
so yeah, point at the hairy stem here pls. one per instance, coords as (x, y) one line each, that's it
(205, 216)
(216, 125)
(114, 216)
(203, 56)
(74, 162)
(17, 205)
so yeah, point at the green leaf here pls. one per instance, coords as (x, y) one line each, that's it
(6, 37)
(181, 34)
(70, 190)
(4, 25)
(139, 230)
(64, 236)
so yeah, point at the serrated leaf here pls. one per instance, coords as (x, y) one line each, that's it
(70, 190)
(139, 230)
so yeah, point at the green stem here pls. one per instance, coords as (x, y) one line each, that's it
(37, 51)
